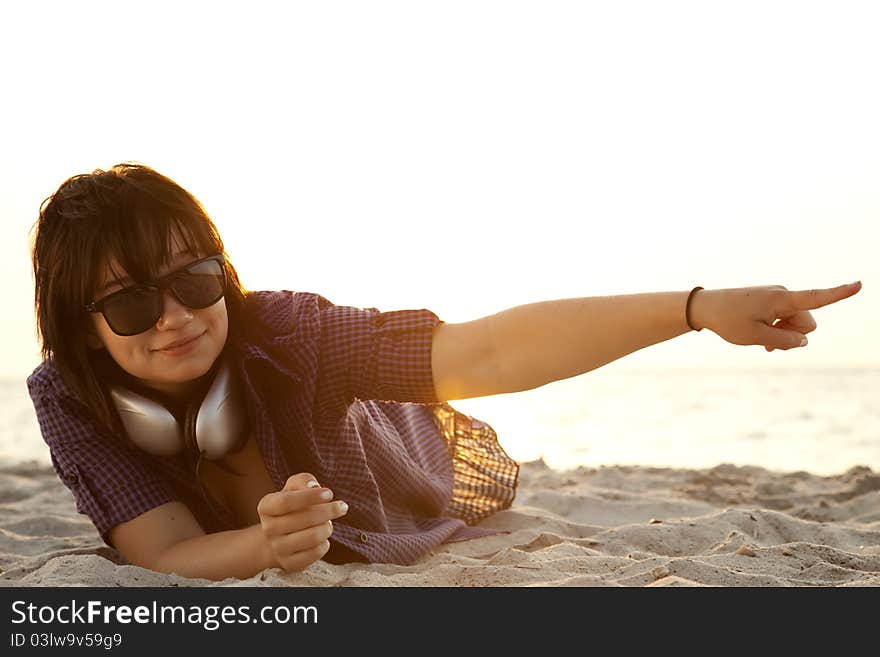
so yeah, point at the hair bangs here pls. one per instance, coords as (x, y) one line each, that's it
(142, 244)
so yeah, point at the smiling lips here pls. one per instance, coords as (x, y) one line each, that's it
(180, 343)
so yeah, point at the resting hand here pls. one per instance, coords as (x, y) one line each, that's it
(771, 316)
(296, 522)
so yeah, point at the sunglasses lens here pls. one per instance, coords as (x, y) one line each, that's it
(201, 285)
(133, 312)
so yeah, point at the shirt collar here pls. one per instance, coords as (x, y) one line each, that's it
(250, 351)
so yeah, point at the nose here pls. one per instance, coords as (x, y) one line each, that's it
(174, 314)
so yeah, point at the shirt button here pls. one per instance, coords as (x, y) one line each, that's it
(72, 477)
(364, 538)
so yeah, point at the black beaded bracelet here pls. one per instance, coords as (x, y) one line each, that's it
(687, 309)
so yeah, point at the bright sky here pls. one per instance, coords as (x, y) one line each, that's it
(468, 157)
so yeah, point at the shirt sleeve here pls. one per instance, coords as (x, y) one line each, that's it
(368, 354)
(111, 483)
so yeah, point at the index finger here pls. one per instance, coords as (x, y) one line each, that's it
(810, 299)
(283, 502)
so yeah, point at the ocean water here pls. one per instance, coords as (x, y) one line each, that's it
(820, 420)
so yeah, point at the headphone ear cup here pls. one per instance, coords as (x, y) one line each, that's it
(147, 422)
(189, 429)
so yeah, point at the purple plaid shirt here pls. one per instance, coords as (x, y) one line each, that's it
(344, 393)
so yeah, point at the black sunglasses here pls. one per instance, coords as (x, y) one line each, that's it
(136, 309)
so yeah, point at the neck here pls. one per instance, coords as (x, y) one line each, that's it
(174, 396)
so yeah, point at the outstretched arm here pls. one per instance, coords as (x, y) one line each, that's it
(529, 346)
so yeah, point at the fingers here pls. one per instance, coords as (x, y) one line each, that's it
(800, 321)
(303, 559)
(297, 540)
(303, 540)
(300, 491)
(794, 324)
(811, 299)
(791, 346)
(773, 338)
(287, 501)
(293, 522)
(291, 535)
(301, 481)
(297, 521)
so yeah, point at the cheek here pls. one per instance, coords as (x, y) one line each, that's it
(100, 336)
(219, 319)
(128, 353)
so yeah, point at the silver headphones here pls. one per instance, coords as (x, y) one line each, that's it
(214, 427)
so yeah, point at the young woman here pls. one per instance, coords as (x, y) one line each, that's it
(215, 432)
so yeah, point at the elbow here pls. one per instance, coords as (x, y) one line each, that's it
(465, 363)
(164, 562)
(157, 563)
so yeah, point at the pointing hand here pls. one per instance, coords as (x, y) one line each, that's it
(771, 316)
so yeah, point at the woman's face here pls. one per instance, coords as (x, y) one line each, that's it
(145, 356)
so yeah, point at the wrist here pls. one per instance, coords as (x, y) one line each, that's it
(696, 311)
(266, 555)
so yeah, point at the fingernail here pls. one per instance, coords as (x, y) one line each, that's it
(312, 483)
(803, 342)
(326, 494)
(343, 507)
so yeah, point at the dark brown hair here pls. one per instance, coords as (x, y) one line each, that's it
(128, 213)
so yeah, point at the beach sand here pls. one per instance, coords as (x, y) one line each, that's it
(610, 526)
